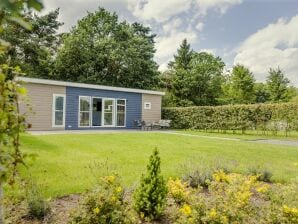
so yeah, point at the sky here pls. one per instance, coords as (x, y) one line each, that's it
(259, 34)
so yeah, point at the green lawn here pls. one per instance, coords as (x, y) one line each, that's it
(249, 135)
(62, 165)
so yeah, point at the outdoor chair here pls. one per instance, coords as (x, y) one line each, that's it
(137, 123)
(164, 123)
(146, 126)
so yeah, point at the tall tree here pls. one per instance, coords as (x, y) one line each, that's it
(33, 50)
(183, 57)
(242, 85)
(102, 50)
(201, 83)
(277, 85)
(262, 93)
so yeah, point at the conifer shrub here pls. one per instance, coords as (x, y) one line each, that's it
(150, 196)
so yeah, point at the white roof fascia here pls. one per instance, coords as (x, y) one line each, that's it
(88, 86)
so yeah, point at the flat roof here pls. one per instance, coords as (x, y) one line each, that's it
(88, 86)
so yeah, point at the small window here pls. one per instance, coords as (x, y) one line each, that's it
(147, 105)
(58, 110)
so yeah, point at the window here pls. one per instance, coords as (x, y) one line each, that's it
(101, 112)
(58, 110)
(120, 117)
(109, 112)
(96, 111)
(147, 105)
(84, 111)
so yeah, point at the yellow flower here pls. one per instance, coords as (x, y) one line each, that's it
(110, 179)
(119, 189)
(290, 211)
(262, 189)
(221, 176)
(113, 198)
(96, 210)
(186, 209)
(212, 213)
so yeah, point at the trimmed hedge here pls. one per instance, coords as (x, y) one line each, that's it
(266, 117)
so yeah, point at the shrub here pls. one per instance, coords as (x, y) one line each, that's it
(105, 204)
(261, 174)
(177, 189)
(235, 117)
(197, 178)
(236, 198)
(150, 196)
(38, 207)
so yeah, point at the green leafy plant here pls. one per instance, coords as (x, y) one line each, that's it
(150, 196)
(106, 204)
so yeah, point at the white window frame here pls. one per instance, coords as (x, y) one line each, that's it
(54, 110)
(96, 97)
(79, 112)
(145, 106)
(113, 113)
(116, 112)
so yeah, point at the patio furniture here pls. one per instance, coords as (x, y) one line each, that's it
(161, 124)
(146, 126)
(137, 123)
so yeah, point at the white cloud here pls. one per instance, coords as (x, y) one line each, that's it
(220, 5)
(272, 46)
(158, 10)
(209, 50)
(200, 26)
(172, 26)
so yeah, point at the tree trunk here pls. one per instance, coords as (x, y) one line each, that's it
(1, 205)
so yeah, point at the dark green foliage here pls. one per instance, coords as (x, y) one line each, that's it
(261, 92)
(242, 85)
(183, 57)
(193, 78)
(33, 50)
(150, 196)
(102, 50)
(277, 85)
(235, 117)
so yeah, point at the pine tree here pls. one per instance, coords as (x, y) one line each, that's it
(183, 57)
(277, 85)
(150, 196)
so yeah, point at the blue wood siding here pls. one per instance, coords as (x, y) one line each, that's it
(133, 105)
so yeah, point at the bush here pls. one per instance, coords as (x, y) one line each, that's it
(104, 205)
(264, 117)
(261, 174)
(150, 196)
(236, 198)
(177, 189)
(38, 207)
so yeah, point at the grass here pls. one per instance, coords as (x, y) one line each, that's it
(62, 164)
(249, 135)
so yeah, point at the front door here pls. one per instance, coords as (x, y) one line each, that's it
(108, 112)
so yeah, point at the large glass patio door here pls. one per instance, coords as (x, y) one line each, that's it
(108, 112)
